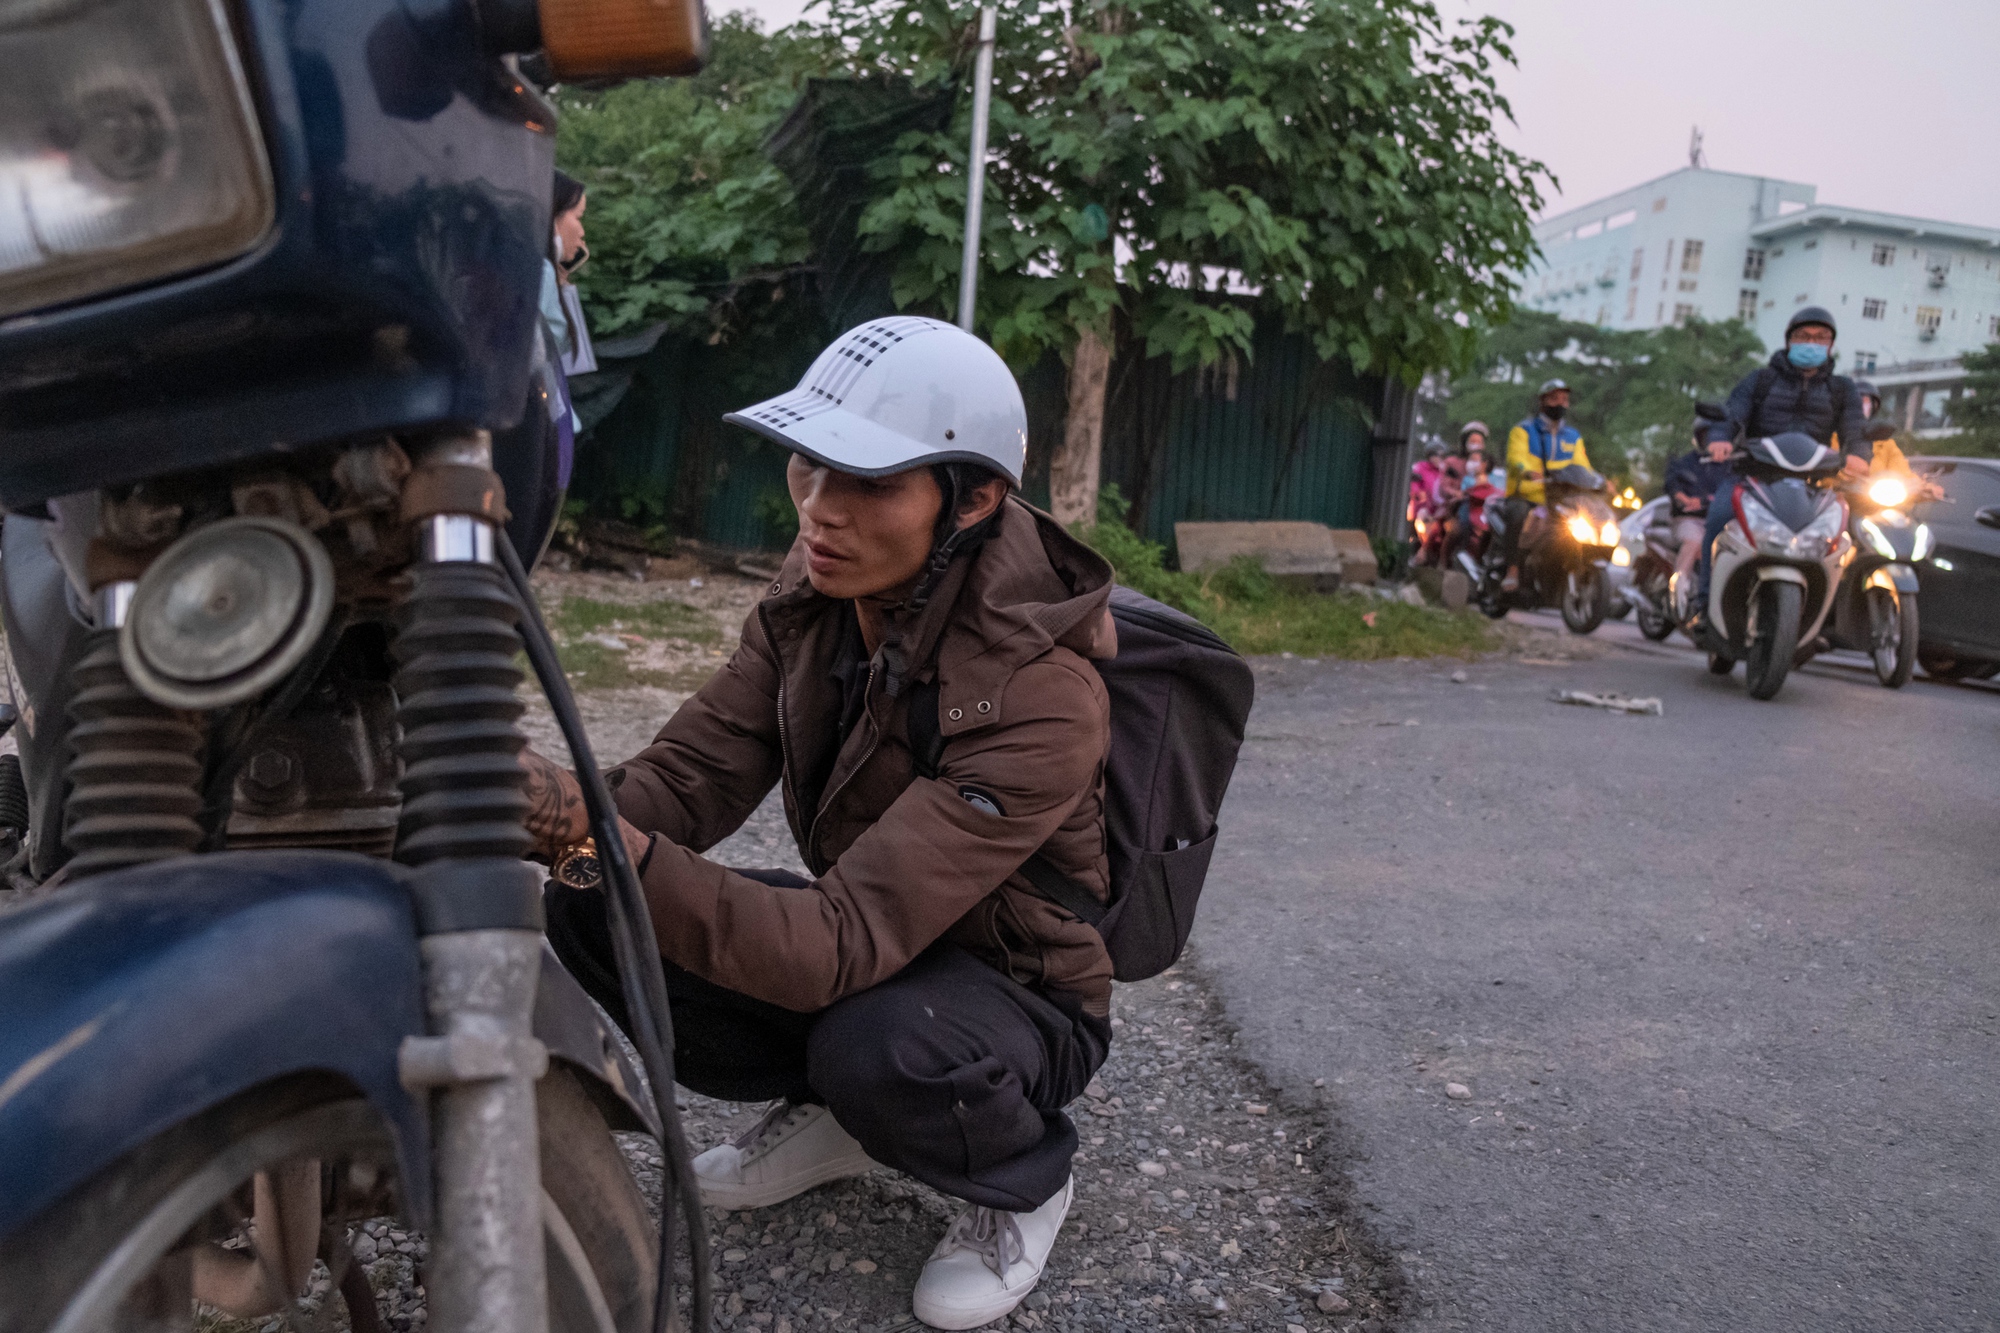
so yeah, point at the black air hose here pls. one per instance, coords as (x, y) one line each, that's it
(639, 973)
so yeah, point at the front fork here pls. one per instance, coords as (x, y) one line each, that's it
(479, 908)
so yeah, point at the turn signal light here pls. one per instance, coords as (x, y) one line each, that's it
(601, 39)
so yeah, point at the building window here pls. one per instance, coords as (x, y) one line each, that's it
(1873, 307)
(1683, 313)
(1638, 261)
(1632, 306)
(1884, 255)
(1746, 305)
(1691, 256)
(1689, 284)
(1993, 329)
(1753, 265)
(1864, 363)
(1660, 204)
(1928, 319)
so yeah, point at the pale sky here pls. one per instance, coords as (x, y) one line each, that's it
(1886, 106)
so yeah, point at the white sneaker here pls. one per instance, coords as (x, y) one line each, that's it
(789, 1151)
(988, 1262)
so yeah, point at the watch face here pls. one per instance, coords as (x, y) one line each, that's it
(579, 870)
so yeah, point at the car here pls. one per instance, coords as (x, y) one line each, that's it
(1959, 586)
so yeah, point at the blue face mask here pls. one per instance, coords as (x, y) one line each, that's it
(1806, 356)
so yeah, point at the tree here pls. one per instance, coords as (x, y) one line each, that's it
(1977, 411)
(1332, 161)
(683, 201)
(1633, 392)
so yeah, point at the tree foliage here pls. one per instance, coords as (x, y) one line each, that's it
(1335, 158)
(683, 202)
(1632, 392)
(1977, 411)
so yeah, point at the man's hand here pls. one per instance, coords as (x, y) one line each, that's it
(556, 815)
(1720, 450)
(1853, 467)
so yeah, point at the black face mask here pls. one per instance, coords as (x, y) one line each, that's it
(1554, 411)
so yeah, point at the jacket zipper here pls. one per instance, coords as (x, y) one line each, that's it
(868, 714)
(784, 742)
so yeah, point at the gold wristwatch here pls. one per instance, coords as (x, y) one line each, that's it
(577, 867)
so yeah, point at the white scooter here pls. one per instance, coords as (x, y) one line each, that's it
(1778, 563)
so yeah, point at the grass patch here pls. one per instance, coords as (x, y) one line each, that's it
(658, 619)
(580, 624)
(1246, 607)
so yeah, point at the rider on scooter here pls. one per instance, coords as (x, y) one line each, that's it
(1467, 469)
(1797, 391)
(1889, 460)
(1535, 447)
(1692, 481)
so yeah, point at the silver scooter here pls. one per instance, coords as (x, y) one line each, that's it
(1778, 563)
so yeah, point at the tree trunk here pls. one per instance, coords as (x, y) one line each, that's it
(1073, 471)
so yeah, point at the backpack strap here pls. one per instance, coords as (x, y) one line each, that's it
(927, 751)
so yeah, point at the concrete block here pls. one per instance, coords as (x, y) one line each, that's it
(1448, 588)
(1296, 554)
(1357, 556)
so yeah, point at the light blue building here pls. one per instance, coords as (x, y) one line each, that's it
(1911, 295)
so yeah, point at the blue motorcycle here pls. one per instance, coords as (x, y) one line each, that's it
(273, 448)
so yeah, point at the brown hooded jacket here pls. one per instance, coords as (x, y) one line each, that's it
(900, 861)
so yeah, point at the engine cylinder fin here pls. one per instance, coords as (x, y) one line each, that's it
(459, 709)
(134, 770)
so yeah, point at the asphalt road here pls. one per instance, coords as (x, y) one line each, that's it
(1724, 984)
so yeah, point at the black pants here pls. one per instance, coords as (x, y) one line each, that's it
(1513, 517)
(948, 1071)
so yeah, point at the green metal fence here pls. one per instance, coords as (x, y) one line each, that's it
(1277, 435)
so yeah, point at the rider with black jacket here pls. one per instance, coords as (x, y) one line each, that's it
(1797, 391)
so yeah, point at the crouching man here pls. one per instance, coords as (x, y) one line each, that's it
(915, 1004)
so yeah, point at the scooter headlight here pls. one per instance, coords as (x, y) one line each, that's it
(1811, 542)
(1581, 528)
(1621, 557)
(1889, 492)
(1920, 547)
(128, 147)
(1608, 534)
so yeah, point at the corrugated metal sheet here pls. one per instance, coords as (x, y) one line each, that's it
(1278, 435)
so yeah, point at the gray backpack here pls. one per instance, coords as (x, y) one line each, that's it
(1179, 700)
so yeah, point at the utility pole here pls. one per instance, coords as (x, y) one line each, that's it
(975, 180)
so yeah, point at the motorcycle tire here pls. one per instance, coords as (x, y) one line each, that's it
(1586, 599)
(1776, 640)
(1652, 624)
(1939, 667)
(110, 1255)
(1892, 636)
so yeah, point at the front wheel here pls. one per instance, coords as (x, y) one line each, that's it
(1656, 625)
(1586, 599)
(166, 1230)
(1774, 637)
(1892, 635)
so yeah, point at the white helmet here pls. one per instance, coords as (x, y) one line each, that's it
(901, 393)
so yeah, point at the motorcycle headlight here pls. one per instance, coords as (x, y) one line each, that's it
(128, 146)
(1608, 534)
(1581, 528)
(1921, 546)
(1888, 491)
(1877, 539)
(1621, 557)
(1772, 537)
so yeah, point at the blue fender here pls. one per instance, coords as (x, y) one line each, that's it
(133, 1001)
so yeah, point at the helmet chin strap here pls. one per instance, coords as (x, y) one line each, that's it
(957, 542)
